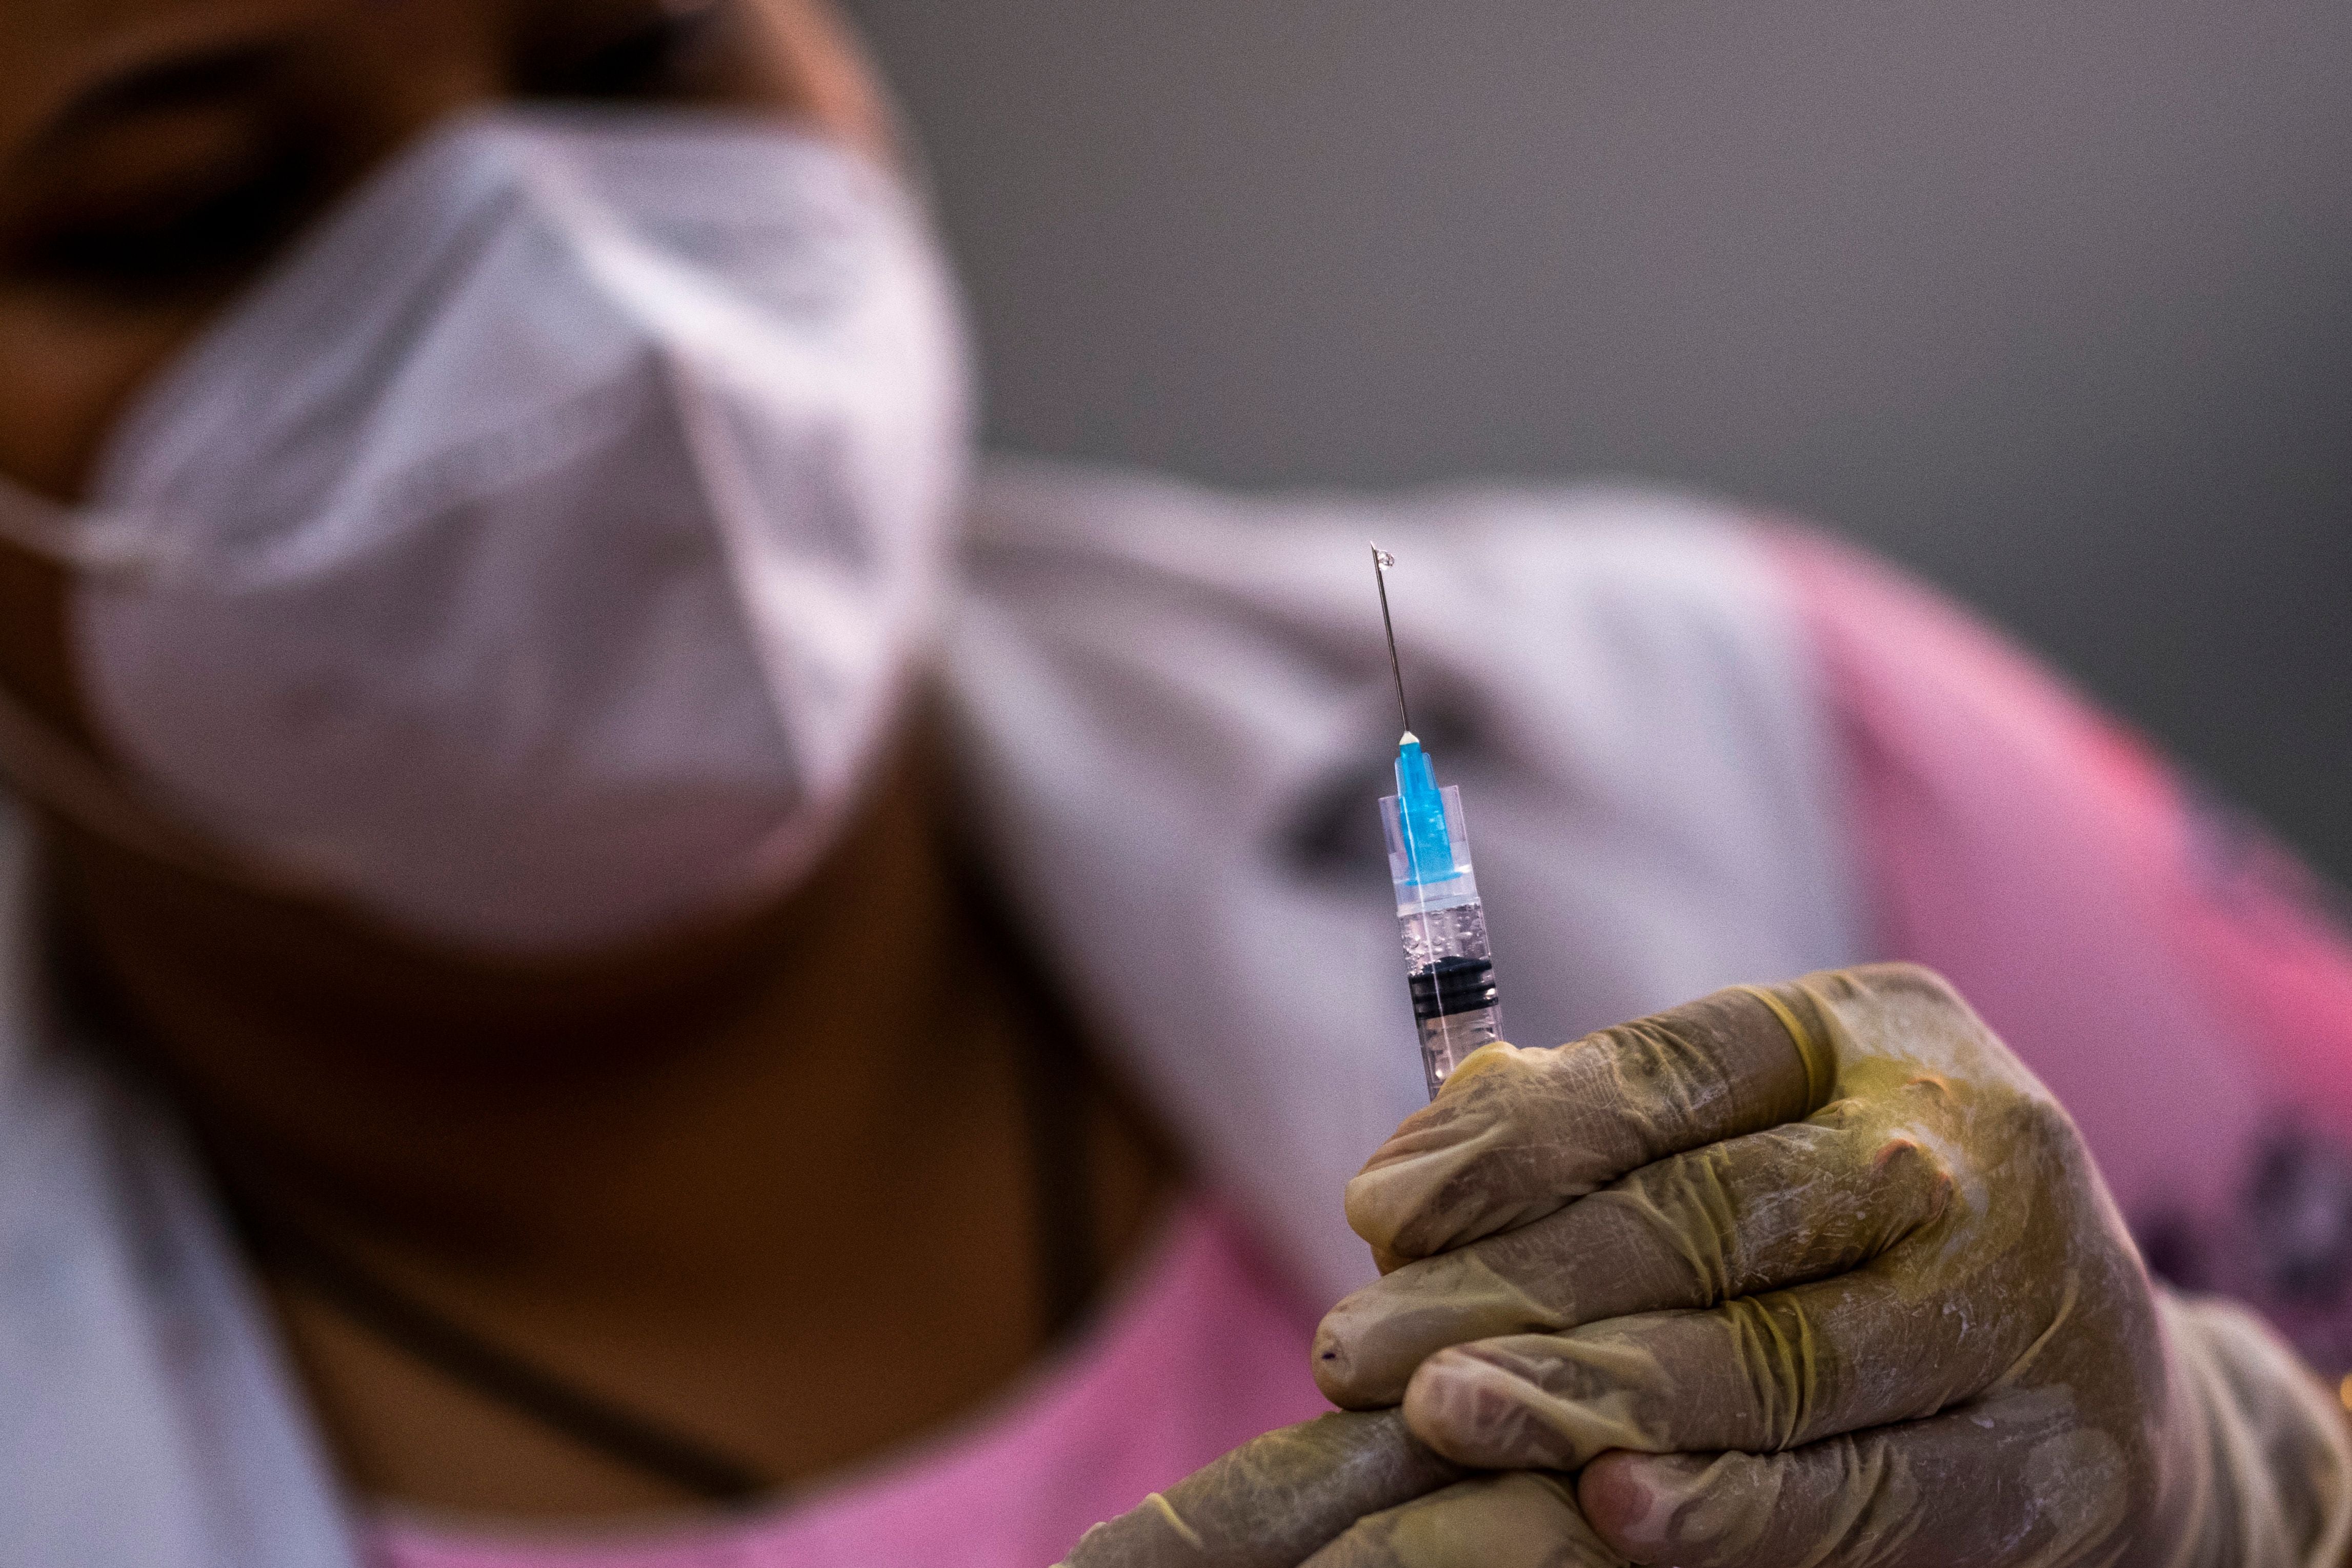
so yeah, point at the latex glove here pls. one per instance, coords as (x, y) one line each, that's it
(1814, 1275)
(1362, 1479)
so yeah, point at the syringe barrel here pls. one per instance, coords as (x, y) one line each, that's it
(1447, 1038)
(1449, 967)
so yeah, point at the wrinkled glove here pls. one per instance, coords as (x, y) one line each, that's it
(1818, 1275)
(1360, 1483)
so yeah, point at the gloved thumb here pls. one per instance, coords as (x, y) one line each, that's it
(1271, 1502)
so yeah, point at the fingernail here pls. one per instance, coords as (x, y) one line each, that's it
(1633, 1499)
(1333, 1365)
(1358, 1365)
(1620, 1503)
(1476, 1414)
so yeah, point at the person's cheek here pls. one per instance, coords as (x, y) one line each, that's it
(35, 666)
(67, 370)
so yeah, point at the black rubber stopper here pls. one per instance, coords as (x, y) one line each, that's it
(1454, 986)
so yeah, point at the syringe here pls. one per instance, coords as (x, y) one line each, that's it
(1448, 966)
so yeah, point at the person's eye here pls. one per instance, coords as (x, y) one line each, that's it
(628, 51)
(209, 230)
(182, 175)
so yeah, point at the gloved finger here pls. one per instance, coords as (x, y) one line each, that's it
(1761, 1373)
(1274, 1500)
(1519, 1520)
(1776, 1208)
(2011, 1480)
(1516, 1134)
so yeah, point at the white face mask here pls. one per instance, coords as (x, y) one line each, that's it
(536, 559)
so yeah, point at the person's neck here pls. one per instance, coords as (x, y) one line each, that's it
(351, 1068)
(770, 1186)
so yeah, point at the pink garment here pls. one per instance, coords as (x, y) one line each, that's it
(1203, 1350)
(2166, 968)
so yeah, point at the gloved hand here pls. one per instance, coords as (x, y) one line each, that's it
(1815, 1275)
(1362, 1477)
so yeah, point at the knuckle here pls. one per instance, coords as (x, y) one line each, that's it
(1901, 1163)
(1901, 1157)
(1840, 1112)
(1903, 1169)
(1930, 1085)
(1941, 1191)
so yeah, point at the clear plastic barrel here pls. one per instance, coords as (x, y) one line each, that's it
(1449, 967)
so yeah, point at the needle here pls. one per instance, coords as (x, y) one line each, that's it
(1381, 564)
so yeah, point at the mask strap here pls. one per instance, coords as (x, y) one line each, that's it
(83, 538)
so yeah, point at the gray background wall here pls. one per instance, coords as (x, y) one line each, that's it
(2051, 301)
